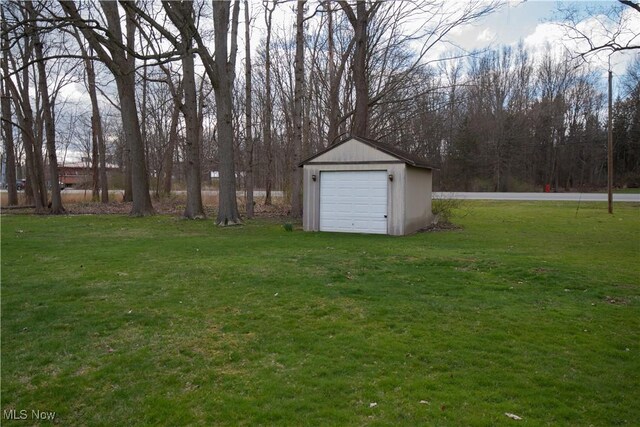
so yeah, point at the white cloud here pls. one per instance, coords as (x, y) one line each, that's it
(558, 39)
(546, 37)
(486, 36)
(74, 92)
(548, 32)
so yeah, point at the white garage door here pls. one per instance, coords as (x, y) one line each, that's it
(353, 202)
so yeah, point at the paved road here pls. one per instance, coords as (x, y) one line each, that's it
(572, 197)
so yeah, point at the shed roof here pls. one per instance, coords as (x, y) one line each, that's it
(396, 152)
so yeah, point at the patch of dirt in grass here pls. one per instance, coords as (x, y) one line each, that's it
(212, 341)
(470, 267)
(467, 264)
(27, 382)
(626, 286)
(616, 300)
(170, 206)
(17, 210)
(439, 226)
(273, 211)
(541, 270)
(189, 386)
(84, 370)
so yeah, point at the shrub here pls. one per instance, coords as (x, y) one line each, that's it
(443, 208)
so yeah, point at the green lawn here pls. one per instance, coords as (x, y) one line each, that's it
(530, 308)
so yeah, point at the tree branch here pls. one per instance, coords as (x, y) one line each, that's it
(631, 4)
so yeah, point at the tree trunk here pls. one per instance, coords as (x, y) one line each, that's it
(126, 83)
(296, 172)
(95, 176)
(122, 66)
(102, 149)
(361, 116)
(169, 153)
(360, 22)
(224, 66)
(127, 196)
(268, 110)
(248, 115)
(38, 186)
(34, 192)
(9, 149)
(180, 14)
(36, 124)
(96, 122)
(131, 126)
(7, 127)
(50, 130)
(139, 176)
(334, 88)
(194, 207)
(33, 195)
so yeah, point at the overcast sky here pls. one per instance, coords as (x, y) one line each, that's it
(517, 20)
(536, 24)
(533, 22)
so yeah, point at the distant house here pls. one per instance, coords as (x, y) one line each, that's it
(79, 174)
(364, 186)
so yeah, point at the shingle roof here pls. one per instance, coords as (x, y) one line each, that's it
(396, 152)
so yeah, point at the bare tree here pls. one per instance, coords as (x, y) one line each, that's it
(248, 115)
(47, 108)
(220, 68)
(181, 16)
(298, 113)
(360, 22)
(335, 77)
(169, 150)
(268, 102)
(115, 50)
(7, 125)
(35, 190)
(614, 31)
(222, 77)
(96, 126)
(382, 46)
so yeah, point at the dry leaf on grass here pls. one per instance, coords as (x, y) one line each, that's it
(512, 416)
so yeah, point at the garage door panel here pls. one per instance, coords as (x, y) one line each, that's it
(360, 210)
(367, 201)
(353, 201)
(369, 225)
(370, 200)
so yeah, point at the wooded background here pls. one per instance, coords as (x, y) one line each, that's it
(173, 91)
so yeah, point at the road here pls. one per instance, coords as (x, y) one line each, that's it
(571, 197)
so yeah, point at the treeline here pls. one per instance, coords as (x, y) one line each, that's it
(174, 91)
(507, 122)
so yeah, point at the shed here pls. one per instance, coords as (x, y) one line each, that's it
(360, 185)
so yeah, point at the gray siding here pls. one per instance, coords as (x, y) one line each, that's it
(409, 193)
(417, 199)
(353, 151)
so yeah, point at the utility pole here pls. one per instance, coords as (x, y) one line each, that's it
(610, 149)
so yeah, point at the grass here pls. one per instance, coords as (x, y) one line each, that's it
(530, 308)
(627, 190)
